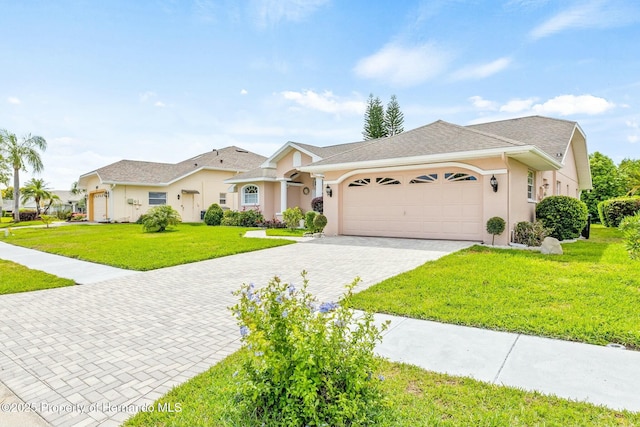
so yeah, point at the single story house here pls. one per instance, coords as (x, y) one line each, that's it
(124, 190)
(439, 181)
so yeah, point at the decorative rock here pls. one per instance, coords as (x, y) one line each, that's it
(551, 246)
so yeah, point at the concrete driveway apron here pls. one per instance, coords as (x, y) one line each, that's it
(95, 354)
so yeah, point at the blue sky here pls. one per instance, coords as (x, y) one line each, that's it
(164, 80)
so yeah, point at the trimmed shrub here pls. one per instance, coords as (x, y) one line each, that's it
(630, 227)
(564, 216)
(28, 215)
(292, 217)
(243, 218)
(317, 204)
(214, 214)
(612, 211)
(495, 225)
(273, 223)
(140, 219)
(305, 363)
(160, 218)
(308, 220)
(529, 233)
(319, 223)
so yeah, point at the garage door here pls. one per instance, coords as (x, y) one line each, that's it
(431, 204)
(99, 207)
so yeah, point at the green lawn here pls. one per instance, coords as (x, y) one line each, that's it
(127, 246)
(285, 232)
(415, 398)
(589, 294)
(8, 223)
(17, 278)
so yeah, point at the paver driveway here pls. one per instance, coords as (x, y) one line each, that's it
(81, 354)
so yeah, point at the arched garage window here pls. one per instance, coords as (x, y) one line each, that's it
(250, 195)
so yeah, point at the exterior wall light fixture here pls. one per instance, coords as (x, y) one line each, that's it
(329, 191)
(494, 183)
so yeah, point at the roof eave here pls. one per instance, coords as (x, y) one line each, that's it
(529, 154)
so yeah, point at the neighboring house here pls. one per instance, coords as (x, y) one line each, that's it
(124, 190)
(432, 182)
(7, 205)
(69, 202)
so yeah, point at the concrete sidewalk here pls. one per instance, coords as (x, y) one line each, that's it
(596, 374)
(83, 272)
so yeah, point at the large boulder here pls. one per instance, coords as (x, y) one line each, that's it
(551, 245)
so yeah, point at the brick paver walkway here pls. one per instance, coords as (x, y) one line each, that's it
(81, 354)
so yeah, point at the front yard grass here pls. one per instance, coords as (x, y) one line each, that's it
(589, 294)
(127, 246)
(285, 232)
(17, 278)
(415, 398)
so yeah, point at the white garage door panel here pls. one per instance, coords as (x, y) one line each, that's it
(439, 209)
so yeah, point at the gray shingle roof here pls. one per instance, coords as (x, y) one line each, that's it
(152, 173)
(436, 138)
(550, 135)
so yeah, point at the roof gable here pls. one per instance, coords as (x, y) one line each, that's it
(152, 173)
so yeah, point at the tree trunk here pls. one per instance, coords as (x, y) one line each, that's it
(16, 194)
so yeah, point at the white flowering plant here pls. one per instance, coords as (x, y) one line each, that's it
(306, 363)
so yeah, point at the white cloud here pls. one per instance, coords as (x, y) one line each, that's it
(243, 92)
(592, 14)
(565, 105)
(481, 103)
(404, 66)
(326, 102)
(13, 100)
(159, 104)
(146, 96)
(271, 12)
(517, 105)
(633, 138)
(481, 71)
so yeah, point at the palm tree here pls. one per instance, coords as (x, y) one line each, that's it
(18, 154)
(54, 198)
(37, 190)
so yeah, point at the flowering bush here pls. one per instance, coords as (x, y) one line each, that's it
(306, 363)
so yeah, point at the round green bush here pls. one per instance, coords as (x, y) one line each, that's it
(214, 214)
(564, 216)
(319, 222)
(495, 225)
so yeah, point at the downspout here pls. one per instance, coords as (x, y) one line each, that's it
(505, 160)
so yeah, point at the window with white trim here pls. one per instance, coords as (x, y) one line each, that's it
(250, 195)
(531, 181)
(223, 198)
(558, 188)
(157, 198)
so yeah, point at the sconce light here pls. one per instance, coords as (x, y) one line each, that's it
(494, 183)
(178, 197)
(546, 185)
(328, 190)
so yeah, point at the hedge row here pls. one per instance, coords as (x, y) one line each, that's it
(612, 211)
